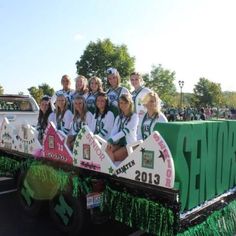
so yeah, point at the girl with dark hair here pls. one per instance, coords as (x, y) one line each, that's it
(103, 119)
(124, 130)
(45, 109)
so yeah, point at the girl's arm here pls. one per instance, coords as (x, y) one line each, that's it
(92, 123)
(108, 124)
(89, 118)
(67, 119)
(139, 132)
(128, 128)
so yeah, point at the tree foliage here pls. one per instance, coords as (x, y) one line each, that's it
(230, 99)
(162, 81)
(1, 90)
(207, 93)
(43, 89)
(100, 55)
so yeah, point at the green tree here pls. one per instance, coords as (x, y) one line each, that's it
(230, 99)
(162, 81)
(207, 93)
(100, 55)
(47, 90)
(43, 89)
(1, 90)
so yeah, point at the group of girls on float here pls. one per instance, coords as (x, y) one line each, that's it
(118, 116)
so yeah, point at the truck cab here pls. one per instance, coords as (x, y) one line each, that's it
(19, 109)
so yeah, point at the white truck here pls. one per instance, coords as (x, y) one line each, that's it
(19, 109)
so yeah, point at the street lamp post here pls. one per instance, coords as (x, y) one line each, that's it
(181, 85)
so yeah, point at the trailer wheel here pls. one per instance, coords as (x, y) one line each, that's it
(69, 213)
(31, 206)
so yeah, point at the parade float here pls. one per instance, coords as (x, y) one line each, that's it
(179, 181)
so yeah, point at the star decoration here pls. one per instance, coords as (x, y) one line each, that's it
(76, 144)
(142, 150)
(75, 161)
(110, 170)
(75, 152)
(162, 156)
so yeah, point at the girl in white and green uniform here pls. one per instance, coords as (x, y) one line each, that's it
(115, 90)
(124, 130)
(66, 91)
(153, 115)
(62, 117)
(81, 117)
(95, 87)
(138, 93)
(103, 119)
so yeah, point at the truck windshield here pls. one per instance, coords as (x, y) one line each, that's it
(16, 104)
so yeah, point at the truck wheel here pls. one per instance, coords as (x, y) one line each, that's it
(31, 206)
(69, 213)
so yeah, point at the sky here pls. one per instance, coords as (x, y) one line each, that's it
(41, 40)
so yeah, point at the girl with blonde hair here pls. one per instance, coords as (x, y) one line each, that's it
(81, 117)
(81, 86)
(95, 87)
(66, 90)
(153, 115)
(62, 116)
(138, 93)
(115, 90)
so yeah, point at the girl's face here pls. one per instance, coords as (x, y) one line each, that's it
(135, 81)
(65, 83)
(101, 103)
(44, 106)
(113, 81)
(79, 84)
(151, 104)
(61, 102)
(124, 106)
(78, 104)
(94, 86)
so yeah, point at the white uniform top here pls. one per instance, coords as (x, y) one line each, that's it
(125, 128)
(114, 94)
(78, 124)
(147, 124)
(63, 124)
(102, 126)
(137, 96)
